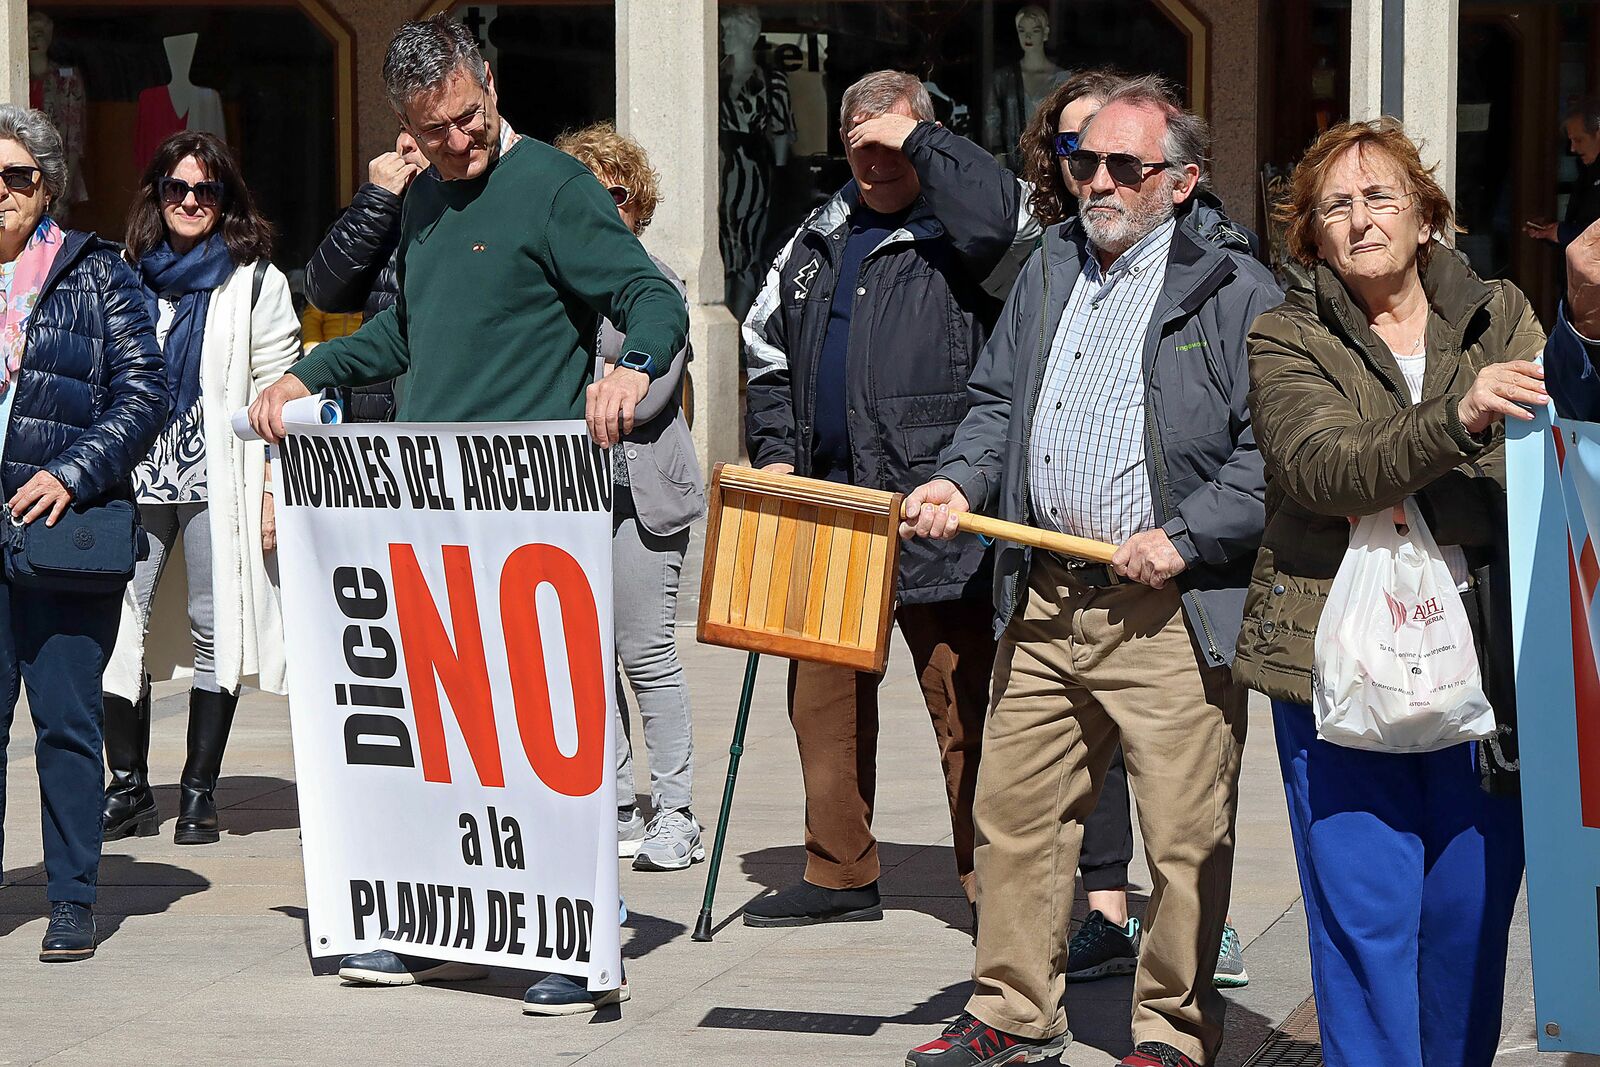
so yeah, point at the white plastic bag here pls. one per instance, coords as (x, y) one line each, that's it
(1395, 669)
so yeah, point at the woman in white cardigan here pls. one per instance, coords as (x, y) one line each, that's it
(227, 328)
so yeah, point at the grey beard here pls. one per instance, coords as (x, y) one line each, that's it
(1117, 235)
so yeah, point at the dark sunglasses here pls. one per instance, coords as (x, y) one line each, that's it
(619, 194)
(176, 191)
(1125, 170)
(20, 179)
(1067, 143)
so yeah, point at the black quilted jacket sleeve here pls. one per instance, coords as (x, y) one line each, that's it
(353, 261)
(133, 377)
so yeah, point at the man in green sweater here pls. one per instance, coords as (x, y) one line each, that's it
(510, 252)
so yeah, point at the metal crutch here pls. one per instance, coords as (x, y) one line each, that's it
(702, 928)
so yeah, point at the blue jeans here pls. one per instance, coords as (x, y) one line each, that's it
(57, 644)
(1410, 873)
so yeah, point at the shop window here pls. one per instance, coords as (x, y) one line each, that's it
(785, 66)
(554, 64)
(265, 78)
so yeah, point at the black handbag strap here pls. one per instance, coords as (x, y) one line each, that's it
(259, 276)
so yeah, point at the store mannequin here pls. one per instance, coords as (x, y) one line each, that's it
(755, 130)
(57, 90)
(178, 105)
(1019, 88)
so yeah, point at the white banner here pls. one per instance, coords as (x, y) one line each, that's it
(447, 612)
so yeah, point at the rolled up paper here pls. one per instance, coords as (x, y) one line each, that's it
(308, 410)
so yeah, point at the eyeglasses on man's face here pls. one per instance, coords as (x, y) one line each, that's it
(471, 123)
(1378, 202)
(1126, 170)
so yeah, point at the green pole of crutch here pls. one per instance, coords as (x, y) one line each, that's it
(702, 928)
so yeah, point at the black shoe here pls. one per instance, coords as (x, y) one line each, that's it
(71, 934)
(970, 1042)
(1156, 1054)
(806, 905)
(130, 806)
(557, 994)
(1101, 949)
(385, 968)
(210, 719)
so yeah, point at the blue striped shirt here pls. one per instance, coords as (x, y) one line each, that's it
(1087, 458)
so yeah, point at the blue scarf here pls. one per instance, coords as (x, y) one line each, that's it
(188, 279)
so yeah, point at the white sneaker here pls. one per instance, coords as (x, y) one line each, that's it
(631, 832)
(671, 843)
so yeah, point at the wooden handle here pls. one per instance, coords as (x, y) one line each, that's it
(1060, 543)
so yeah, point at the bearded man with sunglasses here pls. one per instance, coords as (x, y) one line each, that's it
(1110, 403)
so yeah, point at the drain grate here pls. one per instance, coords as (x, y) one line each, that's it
(1297, 1043)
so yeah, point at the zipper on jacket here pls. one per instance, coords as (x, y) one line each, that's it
(1153, 437)
(1012, 594)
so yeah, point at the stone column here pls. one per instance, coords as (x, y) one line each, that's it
(14, 45)
(1403, 63)
(667, 101)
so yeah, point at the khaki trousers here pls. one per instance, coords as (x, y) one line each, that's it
(1081, 669)
(835, 715)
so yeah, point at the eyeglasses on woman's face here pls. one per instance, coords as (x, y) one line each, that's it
(1378, 202)
(620, 194)
(175, 191)
(20, 179)
(1066, 143)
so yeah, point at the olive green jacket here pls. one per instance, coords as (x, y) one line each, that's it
(1340, 437)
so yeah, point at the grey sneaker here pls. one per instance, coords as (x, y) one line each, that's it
(1101, 949)
(1230, 961)
(630, 832)
(672, 843)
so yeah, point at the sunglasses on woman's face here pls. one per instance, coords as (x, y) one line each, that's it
(1126, 170)
(619, 194)
(1067, 143)
(21, 179)
(176, 191)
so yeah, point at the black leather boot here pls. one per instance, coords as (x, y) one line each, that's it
(130, 806)
(210, 719)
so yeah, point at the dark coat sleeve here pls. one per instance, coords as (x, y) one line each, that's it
(771, 432)
(134, 378)
(1569, 372)
(977, 201)
(345, 266)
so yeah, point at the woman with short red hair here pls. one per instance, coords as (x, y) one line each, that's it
(1389, 380)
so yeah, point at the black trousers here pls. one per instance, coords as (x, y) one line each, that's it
(1108, 833)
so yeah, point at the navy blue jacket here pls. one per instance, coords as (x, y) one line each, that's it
(92, 393)
(1570, 374)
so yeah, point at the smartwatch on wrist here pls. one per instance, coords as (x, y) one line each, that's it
(635, 360)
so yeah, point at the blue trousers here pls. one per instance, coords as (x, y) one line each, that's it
(1410, 873)
(58, 644)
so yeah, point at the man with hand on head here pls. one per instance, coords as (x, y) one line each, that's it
(860, 345)
(1110, 404)
(510, 255)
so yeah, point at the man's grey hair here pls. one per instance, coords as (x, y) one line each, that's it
(1188, 137)
(881, 90)
(39, 137)
(1587, 110)
(422, 56)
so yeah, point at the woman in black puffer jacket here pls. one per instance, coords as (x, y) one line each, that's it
(84, 396)
(353, 269)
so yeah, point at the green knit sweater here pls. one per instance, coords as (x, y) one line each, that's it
(503, 281)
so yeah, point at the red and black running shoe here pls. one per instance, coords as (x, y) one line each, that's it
(971, 1042)
(1156, 1054)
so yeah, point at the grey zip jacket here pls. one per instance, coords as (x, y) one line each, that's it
(1205, 473)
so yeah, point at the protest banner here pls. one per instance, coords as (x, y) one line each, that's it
(447, 614)
(1553, 497)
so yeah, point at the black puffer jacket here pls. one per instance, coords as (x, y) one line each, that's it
(353, 269)
(92, 392)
